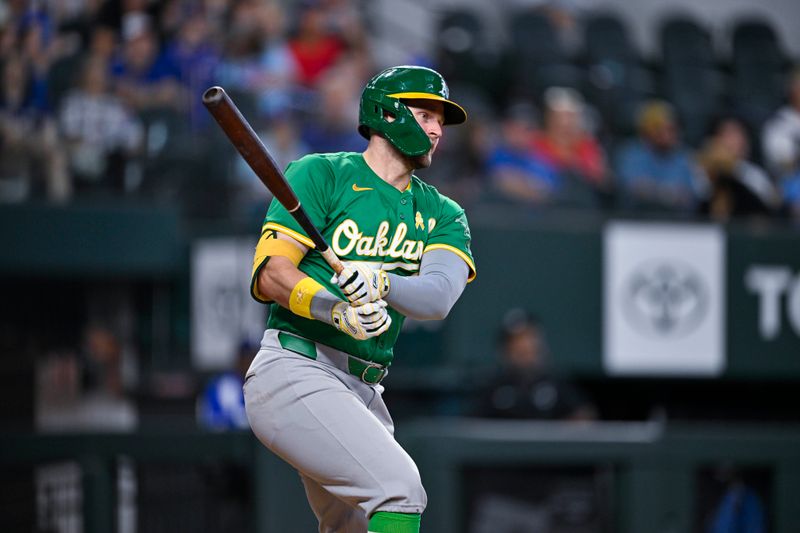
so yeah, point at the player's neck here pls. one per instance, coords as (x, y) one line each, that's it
(388, 164)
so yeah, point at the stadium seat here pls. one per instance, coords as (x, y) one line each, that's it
(534, 37)
(758, 68)
(684, 40)
(464, 58)
(617, 82)
(605, 37)
(691, 79)
(536, 57)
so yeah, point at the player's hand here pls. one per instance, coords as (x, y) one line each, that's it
(362, 284)
(361, 321)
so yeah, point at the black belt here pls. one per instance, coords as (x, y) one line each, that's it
(369, 372)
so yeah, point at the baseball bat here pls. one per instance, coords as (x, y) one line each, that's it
(247, 143)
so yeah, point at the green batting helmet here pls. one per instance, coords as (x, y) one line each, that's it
(384, 94)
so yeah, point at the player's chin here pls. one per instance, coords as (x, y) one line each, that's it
(422, 161)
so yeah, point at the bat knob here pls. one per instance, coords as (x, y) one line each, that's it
(213, 95)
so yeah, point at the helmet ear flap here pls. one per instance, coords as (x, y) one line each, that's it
(403, 131)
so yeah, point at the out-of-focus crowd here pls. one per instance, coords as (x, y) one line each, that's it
(103, 98)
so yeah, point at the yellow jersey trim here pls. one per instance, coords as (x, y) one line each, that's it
(299, 237)
(459, 253)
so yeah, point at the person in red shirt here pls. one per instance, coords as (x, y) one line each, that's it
(564, 143)
(313, 46)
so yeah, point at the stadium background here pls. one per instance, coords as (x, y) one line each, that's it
(127, 222)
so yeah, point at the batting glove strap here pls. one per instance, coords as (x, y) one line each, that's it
(361, 284)
(362, 321)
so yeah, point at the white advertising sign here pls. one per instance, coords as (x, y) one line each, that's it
(664, 299)
(223, 313)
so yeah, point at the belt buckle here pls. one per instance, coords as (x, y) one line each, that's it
(381, 374)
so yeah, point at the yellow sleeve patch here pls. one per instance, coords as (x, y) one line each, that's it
(301, 296)
(270, 246)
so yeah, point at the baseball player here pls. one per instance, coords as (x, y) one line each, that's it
(313, 393)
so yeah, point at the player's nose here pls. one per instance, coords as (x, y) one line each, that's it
(434, 129)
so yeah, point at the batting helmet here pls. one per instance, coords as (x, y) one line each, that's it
(384, 94)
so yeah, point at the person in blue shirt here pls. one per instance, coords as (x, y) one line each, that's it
(655, 171)
(145, 77)
(515, 172)
(790, 194)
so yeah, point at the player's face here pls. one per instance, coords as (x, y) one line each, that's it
(429, 114)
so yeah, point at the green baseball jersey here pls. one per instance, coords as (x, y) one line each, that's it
(365, 219)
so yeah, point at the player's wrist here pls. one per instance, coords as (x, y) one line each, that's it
(303, 295)
(384, 283)
(322, 306)
(391, 280)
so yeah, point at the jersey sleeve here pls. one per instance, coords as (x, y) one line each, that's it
(311, 178)
(451, 232)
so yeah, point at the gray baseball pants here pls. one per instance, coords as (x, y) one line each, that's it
(336, 431)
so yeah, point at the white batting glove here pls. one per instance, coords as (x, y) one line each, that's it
(362, 321)
(362, 284)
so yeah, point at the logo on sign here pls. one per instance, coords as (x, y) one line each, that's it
(665, 299)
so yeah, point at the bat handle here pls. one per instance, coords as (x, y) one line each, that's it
(331, 258)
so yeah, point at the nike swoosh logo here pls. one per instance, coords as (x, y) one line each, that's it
(360, 189)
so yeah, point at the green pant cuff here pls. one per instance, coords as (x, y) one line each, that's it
(383, 522)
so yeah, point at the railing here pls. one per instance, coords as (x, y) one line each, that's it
(603, 477)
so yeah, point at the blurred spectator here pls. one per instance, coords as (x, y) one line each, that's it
(101, 134)
(35, 37)
(281, 137)
(526, 386)
(86, 392)
(103, 44)
(196, 57)
(656, 170)
(514, 171)
(173, 16)
(330, 127)
(739, 187)
(314, 45)
(566, 17)
(740, 508)
(781, 134)
(146, 78)
(790, 194)
(566, 145)
(257, 59)
(30, 155)
(220, 407)
(343, 18)
(64, 74)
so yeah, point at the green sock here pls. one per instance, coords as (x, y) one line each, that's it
(382, 522)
